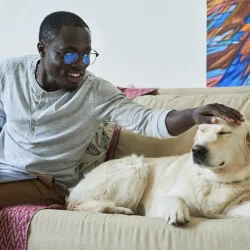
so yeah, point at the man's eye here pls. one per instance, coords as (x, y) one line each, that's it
(224, 133)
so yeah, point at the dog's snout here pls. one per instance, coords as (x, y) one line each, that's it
(200, 155)
(199, 150)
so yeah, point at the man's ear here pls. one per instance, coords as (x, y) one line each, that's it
(41, 49)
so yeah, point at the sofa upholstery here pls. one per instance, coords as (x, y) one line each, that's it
(57, 229)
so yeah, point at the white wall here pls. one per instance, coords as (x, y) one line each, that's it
(156, 43)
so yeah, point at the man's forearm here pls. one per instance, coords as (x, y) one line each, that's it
(179, 121)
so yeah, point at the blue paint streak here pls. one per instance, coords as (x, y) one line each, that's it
(214, 73)
(214, 49)
(247, 19)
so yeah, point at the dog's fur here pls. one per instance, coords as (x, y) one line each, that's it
(175, 187)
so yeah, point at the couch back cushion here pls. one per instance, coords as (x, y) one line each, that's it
(128, 143)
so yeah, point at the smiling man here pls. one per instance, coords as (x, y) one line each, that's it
(51, 106)
(69, 54)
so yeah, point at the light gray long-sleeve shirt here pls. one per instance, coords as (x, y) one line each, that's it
(48, 132)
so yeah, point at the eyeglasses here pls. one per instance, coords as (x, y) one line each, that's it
(72, 57)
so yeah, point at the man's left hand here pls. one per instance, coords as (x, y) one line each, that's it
(208, 114)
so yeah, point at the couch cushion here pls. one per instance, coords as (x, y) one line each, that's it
(58, 230)
(199, 91)
(131, 143)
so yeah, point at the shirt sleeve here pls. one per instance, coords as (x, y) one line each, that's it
(111, 104)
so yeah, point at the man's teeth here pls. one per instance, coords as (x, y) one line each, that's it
(74, 75)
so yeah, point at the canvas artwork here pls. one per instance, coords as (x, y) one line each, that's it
(228, 43)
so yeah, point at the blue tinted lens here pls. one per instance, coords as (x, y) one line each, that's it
(86, 59)
(70, 58)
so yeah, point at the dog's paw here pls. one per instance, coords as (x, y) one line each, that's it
(123, 210)
(74, 205)
(177, 213)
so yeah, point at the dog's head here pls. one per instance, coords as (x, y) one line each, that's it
(222, 146)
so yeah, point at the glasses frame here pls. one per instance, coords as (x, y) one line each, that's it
(79, 54)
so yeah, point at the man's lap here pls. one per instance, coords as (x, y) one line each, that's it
(42, 191)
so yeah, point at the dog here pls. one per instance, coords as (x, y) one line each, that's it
(211, 181)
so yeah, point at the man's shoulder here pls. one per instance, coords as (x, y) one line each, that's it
(13, 62)
(97, 82)
(98, 87)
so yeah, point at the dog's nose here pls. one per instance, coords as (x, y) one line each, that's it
(199, 150)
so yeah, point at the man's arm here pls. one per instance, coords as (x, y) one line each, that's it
(179, 121)
(110, 104)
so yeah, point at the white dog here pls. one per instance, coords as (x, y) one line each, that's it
(212, 180)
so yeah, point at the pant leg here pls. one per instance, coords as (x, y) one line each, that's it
(42, 191)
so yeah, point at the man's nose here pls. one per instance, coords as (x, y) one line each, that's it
(79, 64)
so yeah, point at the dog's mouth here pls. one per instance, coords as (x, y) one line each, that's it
(201, 162)
(204, 163)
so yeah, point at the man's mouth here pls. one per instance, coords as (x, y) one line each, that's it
(75, 77)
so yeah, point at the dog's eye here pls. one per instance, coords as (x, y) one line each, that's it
(224, 133)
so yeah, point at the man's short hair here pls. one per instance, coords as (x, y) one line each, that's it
(52, 24)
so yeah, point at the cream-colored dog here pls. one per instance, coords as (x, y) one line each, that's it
(212, 180)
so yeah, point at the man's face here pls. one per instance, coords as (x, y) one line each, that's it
(71, 39)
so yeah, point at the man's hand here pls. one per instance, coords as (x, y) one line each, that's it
(179, 121)
(208, 114)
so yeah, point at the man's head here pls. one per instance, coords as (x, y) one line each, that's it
(63, 36)
(222, 147)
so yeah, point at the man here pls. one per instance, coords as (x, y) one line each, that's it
(50, 108)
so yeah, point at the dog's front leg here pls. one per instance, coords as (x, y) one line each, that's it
(172, 208)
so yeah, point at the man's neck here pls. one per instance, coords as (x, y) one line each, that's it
(45, 82)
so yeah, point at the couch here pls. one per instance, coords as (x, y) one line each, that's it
(66, 230)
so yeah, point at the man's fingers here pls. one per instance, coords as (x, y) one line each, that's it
(206, 113)
(224, 112)
(239, 116)
(227, 112)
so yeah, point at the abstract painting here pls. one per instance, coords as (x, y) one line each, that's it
(228, 43)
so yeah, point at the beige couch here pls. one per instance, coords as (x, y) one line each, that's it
(54, 229)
